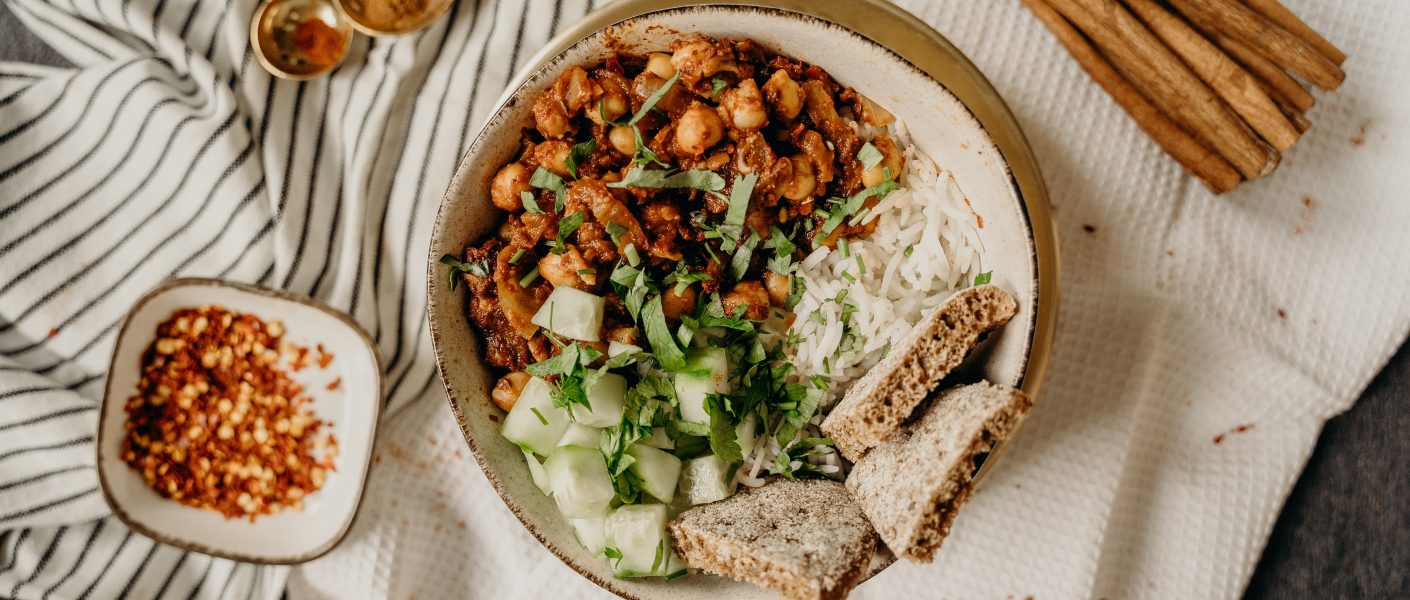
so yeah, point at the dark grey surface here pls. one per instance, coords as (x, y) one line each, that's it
(1343, 532)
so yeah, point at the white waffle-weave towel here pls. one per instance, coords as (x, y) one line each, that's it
(1203, 341)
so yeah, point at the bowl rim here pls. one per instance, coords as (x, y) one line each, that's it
(909, 40)
(191, 544)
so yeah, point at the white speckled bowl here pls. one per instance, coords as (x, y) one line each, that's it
(952, 112)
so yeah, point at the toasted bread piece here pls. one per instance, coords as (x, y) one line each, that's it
(876, 406)
(911, 486)
(805, 539)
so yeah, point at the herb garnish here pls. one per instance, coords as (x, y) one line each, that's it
(639, 177)
(577, 154)
(869, 156)
(530, 204)
(663, 344)
(457, 266)
(545, 179)
(566, 227)
(732, 230)
(841, 209)
(983, 278)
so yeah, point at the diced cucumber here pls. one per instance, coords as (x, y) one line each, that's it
(659, 471)
(573, 314)
(535, 423)
(608, 398)
(591, 533)
(615, 347)
(638, 531)
(581, 435)
(706, 479)
(744, 434)
(660, 439)
(706, 372)
(580, 482)
(536, 471)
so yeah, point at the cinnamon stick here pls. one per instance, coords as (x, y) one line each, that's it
(1236, 86)
(1205, 164)
(1168, 83)
(1274, 11)
(1298, 119)
(1274, 43)
(1283, 86)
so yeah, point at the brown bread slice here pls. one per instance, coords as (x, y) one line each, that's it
(912, 486)
(805, 539)
(877, 405)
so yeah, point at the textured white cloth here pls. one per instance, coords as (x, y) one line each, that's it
(1203, 341)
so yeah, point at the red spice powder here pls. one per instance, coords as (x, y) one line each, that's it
(319, 43)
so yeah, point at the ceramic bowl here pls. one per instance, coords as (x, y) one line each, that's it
(352, 410)
(952, 112)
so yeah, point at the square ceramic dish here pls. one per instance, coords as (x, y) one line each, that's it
(352, 410)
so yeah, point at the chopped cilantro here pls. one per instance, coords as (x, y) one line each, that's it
(548, 180)
(528, 279)
(457, 266)
(843, 208)
(983, 278)
(717, 85)
(739, 265)
(639, 177)
(518, 254)
(658, 334)
(732, 231)
(909, 251)
(722, 436)
(526, 198)
(655, 97)
(577, 154)
(861, 265)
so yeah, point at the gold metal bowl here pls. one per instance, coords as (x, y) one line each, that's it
(392, 17)
(295, 39)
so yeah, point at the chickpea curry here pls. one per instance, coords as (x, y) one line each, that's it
(685, 165)
(639, 291)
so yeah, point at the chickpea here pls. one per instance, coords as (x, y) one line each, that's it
(784, 94)
(614, 102)
(698, 58)
(625, 335)
(512, 179)
(804, 182)
(779, 286)
(698, 129)
(748, 299)
(506, 391)
(891, 162)
(623, 140)
(551, 117)
(660, 64)
(675, 305)
(553, 155)
(746, 106)
(563, 269)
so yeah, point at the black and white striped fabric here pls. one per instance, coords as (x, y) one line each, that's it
(169, 152)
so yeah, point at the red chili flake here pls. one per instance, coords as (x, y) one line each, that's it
(333, 385)
(53, 332)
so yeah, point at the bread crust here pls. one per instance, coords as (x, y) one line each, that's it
(805, 539)
(881, 401)
(912, 486)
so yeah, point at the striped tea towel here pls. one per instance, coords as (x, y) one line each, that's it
(1203, 340)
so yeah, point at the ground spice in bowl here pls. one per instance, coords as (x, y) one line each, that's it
(319, 42)
(217, 421)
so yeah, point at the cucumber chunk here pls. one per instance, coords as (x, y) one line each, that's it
(534, 423)
(574, 314)
(706, 372)
(659, 471)
(638, 531)
(608, 399)
(581, 435)
(580, 483)
(706, 479)
(591, 533)
(536, 471)
(615, 348)
(660, 439)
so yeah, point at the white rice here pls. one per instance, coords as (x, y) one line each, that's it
(925, 247)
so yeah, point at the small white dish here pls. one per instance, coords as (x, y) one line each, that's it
(352, 411)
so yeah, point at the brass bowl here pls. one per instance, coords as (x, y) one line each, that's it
(275, 35)
(392, 17)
